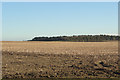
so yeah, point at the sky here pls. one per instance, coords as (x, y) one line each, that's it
(26, 20)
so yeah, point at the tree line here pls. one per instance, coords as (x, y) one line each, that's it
(79, 38)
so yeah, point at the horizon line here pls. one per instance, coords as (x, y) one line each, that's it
(67, 35)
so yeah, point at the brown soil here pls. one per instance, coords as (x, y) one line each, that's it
(60, 59)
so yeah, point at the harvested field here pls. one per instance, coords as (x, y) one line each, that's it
(29, 59)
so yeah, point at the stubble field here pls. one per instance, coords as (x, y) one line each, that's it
(29, 59)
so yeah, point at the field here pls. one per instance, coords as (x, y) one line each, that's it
(30, 59)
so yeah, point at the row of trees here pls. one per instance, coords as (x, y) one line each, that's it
(79, 38)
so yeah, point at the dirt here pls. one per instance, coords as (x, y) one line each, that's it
(58, 65)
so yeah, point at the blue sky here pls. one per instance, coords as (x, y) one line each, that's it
(25, 20)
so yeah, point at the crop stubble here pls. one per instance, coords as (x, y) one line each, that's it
(29, 59)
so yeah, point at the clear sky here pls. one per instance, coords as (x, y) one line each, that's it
(25, 20)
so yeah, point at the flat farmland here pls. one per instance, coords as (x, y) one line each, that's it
(37, 59)
(62, 47)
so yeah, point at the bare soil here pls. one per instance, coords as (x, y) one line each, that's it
(60, 60)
